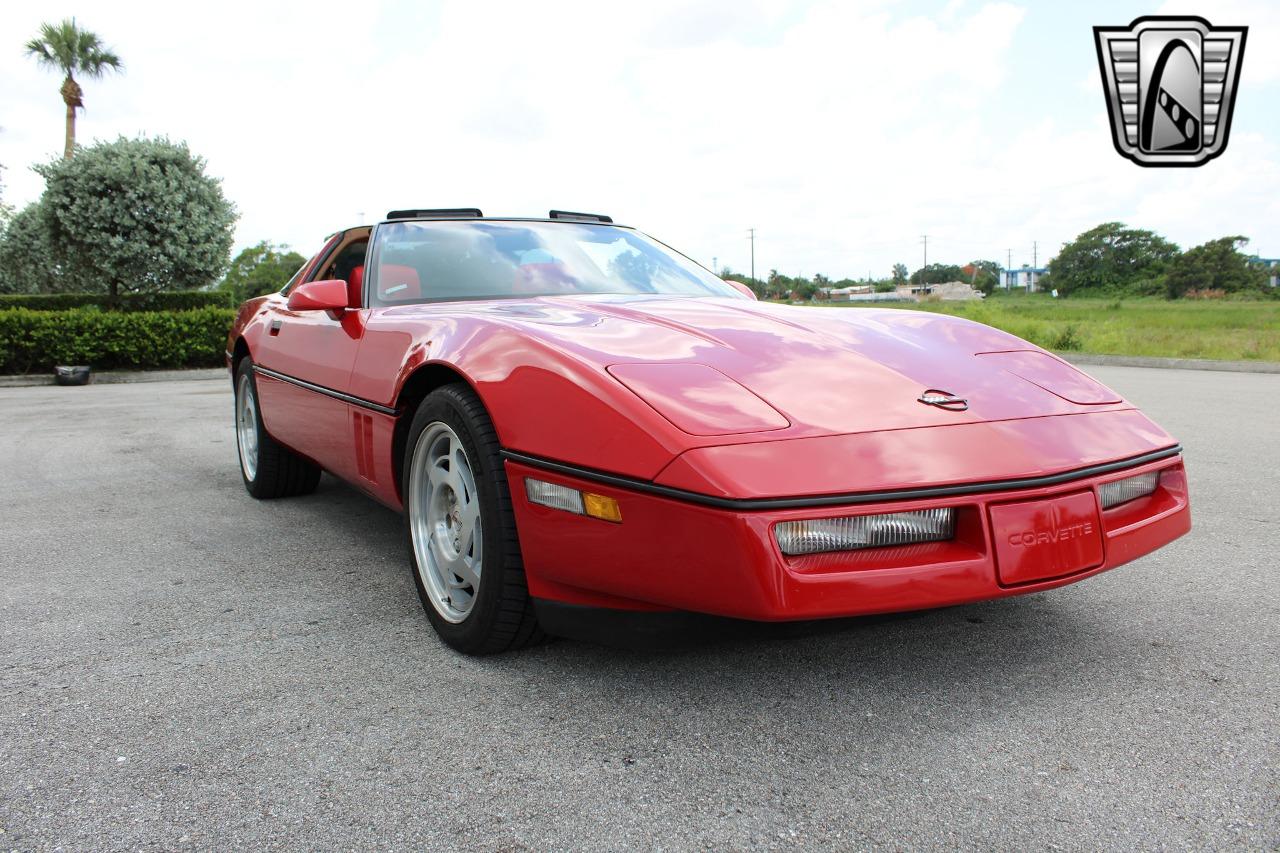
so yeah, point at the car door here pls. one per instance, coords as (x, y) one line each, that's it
(304, 366)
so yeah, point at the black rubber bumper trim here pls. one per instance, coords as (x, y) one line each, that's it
(328, 392)
(649, 487)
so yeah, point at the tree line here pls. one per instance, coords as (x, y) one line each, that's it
(982, 275)
(1115, 260)
(1111, 260)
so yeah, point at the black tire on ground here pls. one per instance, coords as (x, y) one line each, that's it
(501, 616)
(279, 472)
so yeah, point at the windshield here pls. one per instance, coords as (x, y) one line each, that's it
(448, 260)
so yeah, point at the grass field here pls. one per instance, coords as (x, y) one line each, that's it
(1245, 331)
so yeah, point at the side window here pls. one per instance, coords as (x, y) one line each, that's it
(294, 280)
(311, 264)
(342, 255)
(344, 262)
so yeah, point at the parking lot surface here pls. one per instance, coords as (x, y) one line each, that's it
(184, 667)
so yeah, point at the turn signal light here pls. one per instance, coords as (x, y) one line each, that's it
(819, 535)
(1128, 489)
(557, 496)
(601, 507)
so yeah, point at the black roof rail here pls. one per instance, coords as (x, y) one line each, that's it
(581, 217)
(437, 213)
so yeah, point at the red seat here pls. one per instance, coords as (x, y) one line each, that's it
(396, 282)
(355, 285)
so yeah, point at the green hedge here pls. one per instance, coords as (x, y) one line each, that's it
(181, 300)
(34, 341)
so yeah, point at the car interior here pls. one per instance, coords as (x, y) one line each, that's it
(346, 262)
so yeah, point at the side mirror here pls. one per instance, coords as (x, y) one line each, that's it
(741, 288)
(326, 295)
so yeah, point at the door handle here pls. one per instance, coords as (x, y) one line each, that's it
(275, 327)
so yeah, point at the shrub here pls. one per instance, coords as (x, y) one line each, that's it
(26, 261)
(136, 215)
(181, 300)
(1068, 340)
(33, 341)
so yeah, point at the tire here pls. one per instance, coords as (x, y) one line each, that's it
(461, 530)
(269, 469)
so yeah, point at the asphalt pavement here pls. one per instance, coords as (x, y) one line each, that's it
(184, 667)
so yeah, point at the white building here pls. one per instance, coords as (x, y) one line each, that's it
(846, 294)
(1028, 277)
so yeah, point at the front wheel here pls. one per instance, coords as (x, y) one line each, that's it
(268, 469)
(462, 534)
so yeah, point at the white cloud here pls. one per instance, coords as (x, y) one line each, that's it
(842, 131)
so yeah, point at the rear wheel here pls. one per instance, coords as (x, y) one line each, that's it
(461, 529)
(269, 470)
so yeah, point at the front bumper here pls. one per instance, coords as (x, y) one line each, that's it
(669, 553)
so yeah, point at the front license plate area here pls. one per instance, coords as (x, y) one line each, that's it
(1044, 539)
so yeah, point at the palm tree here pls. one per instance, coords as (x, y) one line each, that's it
(73, 51)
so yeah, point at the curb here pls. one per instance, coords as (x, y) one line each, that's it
(117, 377)
(1171, 363)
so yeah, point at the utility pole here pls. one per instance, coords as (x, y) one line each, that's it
(1034, 265)
(1008, 264)
(752, 232)
(924, 238)
(715, 265)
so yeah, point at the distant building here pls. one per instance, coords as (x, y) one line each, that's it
(1271, 265)
(951, 291)
(890, 296)
(846, 294)
(1028, 277)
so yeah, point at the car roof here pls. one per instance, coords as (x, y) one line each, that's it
(371, 225)
(474, 213)
(496, 219)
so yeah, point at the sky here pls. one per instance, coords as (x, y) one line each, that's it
(841, 131)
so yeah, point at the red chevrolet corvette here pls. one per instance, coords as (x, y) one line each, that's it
(577, 420)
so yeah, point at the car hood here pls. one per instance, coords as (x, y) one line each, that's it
(826, 371)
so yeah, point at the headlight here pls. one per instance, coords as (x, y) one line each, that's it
(816, 535)
(557, 496)
(1114, 494)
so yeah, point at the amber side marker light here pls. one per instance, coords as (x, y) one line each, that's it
(571, 500)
